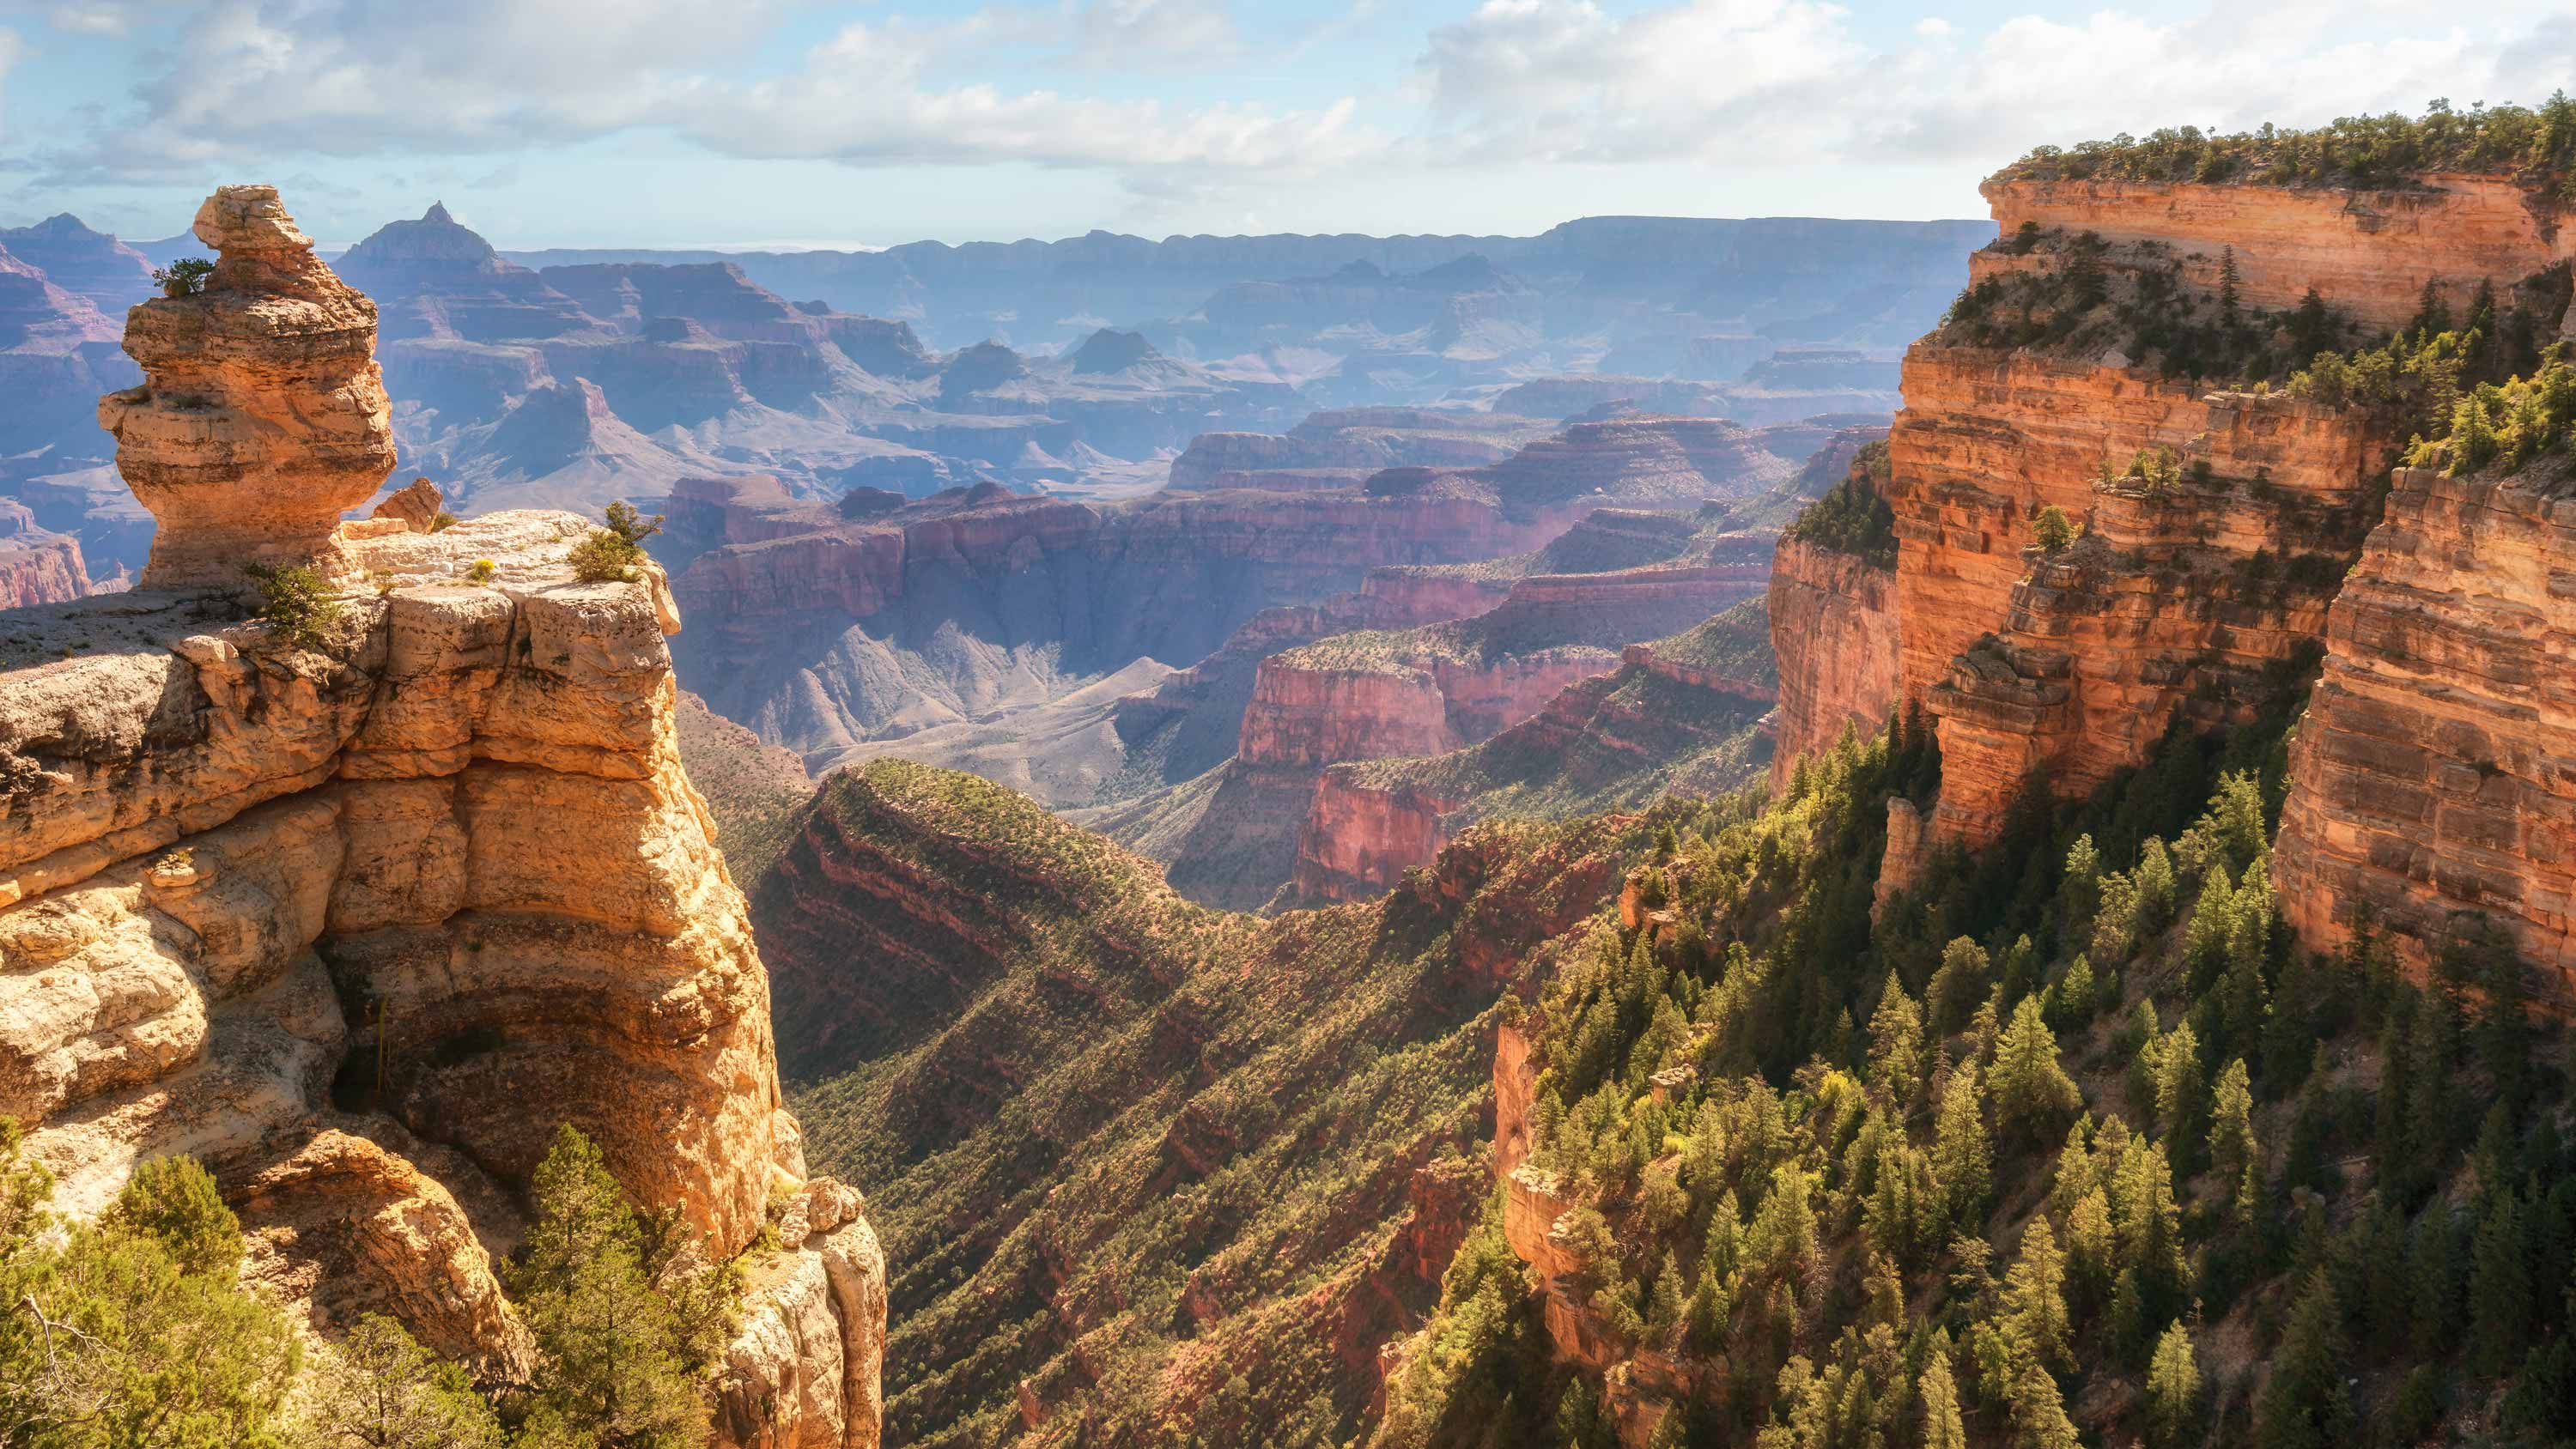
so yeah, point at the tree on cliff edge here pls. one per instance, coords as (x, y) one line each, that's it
(627, 1319)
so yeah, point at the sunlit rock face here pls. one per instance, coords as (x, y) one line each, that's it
(360, 910)
(262, 416)
(2429, 785)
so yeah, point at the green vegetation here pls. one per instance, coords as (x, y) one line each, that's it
(2090, 296)
(2536, 147)
(1853, 516)
(2053, 531)
(627, 1318)
(2510, 426)
(134, 1331)
(296, 602)
(609, 555)
(2000, 1165)
(482, 571)
(1148, 1157)
(185, 277)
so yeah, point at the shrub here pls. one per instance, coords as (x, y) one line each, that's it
(442, 522)
(2054, 531)
(610, 554)
(185, 277)
(295, 602)
(482, 571)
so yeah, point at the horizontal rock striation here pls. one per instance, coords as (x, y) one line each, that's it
(41, 569)
(2429, 789)
(2190, 589)
(1834, 633)
(1679, 715)
(2194, 598)
(262, 416)
(2368, 252)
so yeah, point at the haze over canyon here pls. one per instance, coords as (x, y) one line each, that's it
(1658, 834)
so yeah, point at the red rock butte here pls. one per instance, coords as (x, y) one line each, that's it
(262, 416)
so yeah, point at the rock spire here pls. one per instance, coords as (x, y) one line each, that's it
(262, 416)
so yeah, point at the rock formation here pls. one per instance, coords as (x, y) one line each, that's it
(262, 415)
(1834, 633)
(2427, 786)
(1678, 716)
(359, 910)
(40, 568)
(2219, 523)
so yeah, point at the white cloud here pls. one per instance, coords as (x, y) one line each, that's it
(1748, 83)
(1132, 33)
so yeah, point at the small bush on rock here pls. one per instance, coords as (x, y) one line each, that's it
(610, 554)
(185, 277)
(295, 602)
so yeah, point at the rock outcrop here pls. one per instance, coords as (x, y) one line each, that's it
(360, 907)
(2212, 558)
(262, 415)
(2429, 787)
(41, 568)
(1834, 633)
(1679, 715)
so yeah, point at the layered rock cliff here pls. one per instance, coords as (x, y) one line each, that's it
(2217, 522)
(360, 902)
(2428, 789)
(1678, 716)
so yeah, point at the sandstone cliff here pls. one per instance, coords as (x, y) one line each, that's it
(2427, 785)
(1678, 716)
(1834, 633)
(2218, 522)
(360, 908)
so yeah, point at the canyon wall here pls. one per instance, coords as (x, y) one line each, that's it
(2429, 785)
(2368, 252)
(1679, 715)
(2198, 573)
(41, 569)
(1834, 633)
(361, 909)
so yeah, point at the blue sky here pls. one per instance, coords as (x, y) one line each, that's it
(796, 122)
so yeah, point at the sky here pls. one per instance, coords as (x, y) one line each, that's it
(774, 123)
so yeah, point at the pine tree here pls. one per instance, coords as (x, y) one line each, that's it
(2039, 1413)
(2035, 1316)
(2233, 1155)
(1664, 1303)
(1943, 1428)
(2435, 1287)
(2033, 1095)
(624, 1323)
(2173, 1389)
(379, 1389)
(2182, 1093)
(133, 1330)
(2230, 308)
(1958, 985)
(2079, 892)
(2304, 1405)
(1896, 1045)
(2500, 1287)
(1961, 1157)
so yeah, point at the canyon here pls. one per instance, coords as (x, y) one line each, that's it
(359, 907)
(590, 377)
